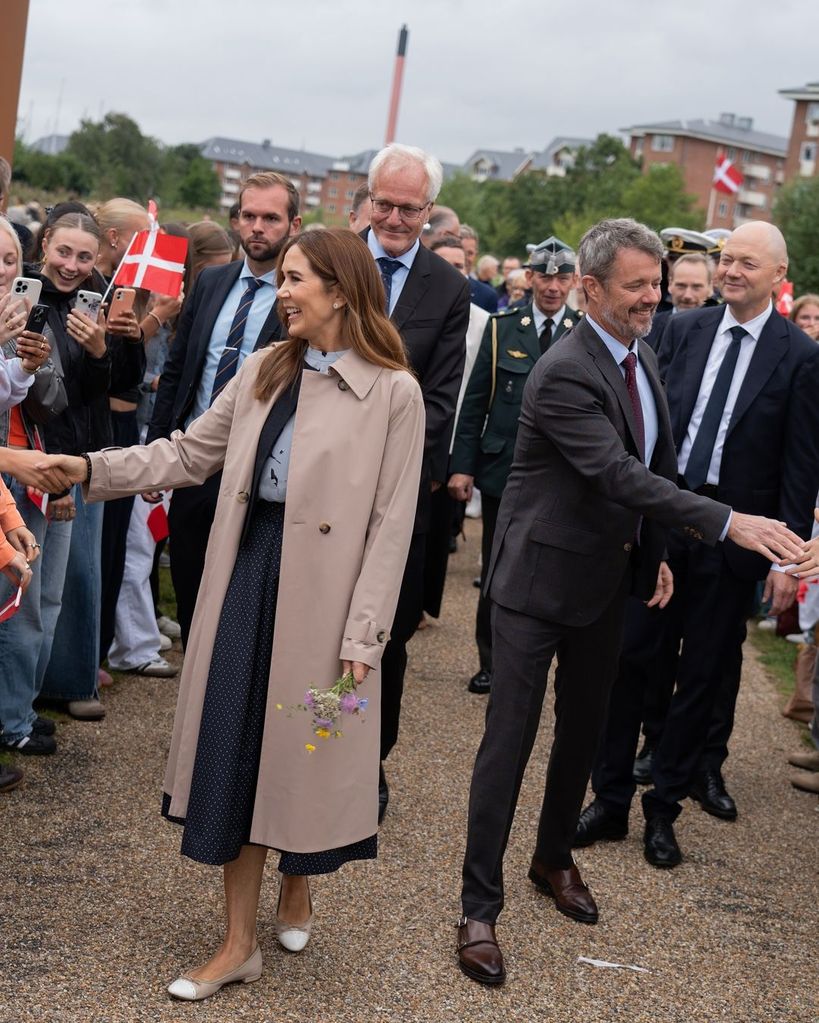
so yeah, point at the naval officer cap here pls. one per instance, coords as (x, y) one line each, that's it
(552, 257)
(679, 241)
(719, 236)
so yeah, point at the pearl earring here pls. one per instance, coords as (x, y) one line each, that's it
(335, 305)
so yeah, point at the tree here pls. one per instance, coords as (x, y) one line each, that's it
(187, 178)
(797, 213)
(120, 159)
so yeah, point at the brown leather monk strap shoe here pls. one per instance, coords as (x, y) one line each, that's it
(572, 897)
(479, 955)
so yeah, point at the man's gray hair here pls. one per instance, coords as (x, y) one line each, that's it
(599, 246)
(397, 156)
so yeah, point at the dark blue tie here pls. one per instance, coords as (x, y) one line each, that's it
(388, 267)
(229, 362)
(702, 450)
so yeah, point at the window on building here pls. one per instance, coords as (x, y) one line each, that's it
(350, 193)
(662, 143)
(334, 175)
(332, 192)
(812, 113)
(723, 209)
(331, 207)
(347, 209)
(746, 156)
(807, 151)
(731, 153)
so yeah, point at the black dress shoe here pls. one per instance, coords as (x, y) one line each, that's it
(710, 792)
(661, 849)
(642, 765)
(383, 794)
(480, 683)
(10, 777)
(43, 726)
(597, 824)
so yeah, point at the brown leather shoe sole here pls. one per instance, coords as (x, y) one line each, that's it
(481, 978)
(573, 914)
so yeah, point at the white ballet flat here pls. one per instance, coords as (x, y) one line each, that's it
(291, 936)
(190, 990)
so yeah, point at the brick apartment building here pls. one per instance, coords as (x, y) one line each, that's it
(323, 182)
(801, 160)
(693, 146)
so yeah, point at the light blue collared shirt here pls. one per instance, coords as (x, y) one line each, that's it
(399, 278)
(273, 482)
(262, 304)
(651, 423)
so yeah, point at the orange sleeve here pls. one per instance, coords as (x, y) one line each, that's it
(10, 518)
(7, 552)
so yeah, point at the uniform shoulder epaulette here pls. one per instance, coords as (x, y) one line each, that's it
(505, 312)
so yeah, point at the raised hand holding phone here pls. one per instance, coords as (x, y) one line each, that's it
(88, 334)
(13, 315)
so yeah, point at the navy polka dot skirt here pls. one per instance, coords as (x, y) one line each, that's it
(226, 768)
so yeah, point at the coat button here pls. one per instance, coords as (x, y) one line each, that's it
(343, 385)
(242, 497)
(627, 546)
(324, 527)
(381, 635)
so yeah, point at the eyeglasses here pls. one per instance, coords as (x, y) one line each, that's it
(407, 213)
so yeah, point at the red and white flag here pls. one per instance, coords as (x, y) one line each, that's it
(155, 262)
(726, 177)
(784, 300)
(157, 522)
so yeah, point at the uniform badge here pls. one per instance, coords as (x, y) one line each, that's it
(568, 324)
(526, 321)
(516, 354)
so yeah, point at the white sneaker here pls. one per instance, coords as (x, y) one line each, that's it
(157, 668)
(165, 643)
(168, 627)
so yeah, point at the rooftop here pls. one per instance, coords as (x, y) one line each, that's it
(267, 156)
(728, 129)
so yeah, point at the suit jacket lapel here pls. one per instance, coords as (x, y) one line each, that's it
(613, 375)
(569, 316)
(665, 437)
(415, 287)
(528, 338)
(217, 294)
(698, 347)
(772, 346)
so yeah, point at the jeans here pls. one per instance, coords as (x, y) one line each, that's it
(71, 672)
(25, 639)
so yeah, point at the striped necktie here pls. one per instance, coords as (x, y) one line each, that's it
(387, 268)
(229, 362)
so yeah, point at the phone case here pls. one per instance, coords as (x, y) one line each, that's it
(27, 288)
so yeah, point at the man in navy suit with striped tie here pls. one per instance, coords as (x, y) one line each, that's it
(230, 313)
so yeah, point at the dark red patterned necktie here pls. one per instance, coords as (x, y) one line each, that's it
(630, 366)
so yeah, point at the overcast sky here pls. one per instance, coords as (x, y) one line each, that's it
(316, 74)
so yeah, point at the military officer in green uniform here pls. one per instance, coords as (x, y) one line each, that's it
(485, 434)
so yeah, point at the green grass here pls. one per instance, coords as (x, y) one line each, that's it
(778, 656)
(167, 597)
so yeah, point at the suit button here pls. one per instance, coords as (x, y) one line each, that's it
(343, 385)
(324, 527)
(242, 497)
(381, 635)
(627, 546)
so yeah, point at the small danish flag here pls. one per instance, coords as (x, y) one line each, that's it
(155, 262)
(726, 177)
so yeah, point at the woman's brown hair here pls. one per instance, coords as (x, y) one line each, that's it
(339, 257)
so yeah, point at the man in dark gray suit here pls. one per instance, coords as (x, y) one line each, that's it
(582, 525)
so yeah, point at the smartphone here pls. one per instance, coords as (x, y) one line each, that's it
(88, 302)
(37, 319)
(28, 289)
(122, 302)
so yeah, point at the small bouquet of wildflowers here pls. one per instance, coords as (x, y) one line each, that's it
(327, 706)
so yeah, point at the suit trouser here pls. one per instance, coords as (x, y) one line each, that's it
(523, 648)
(436, 550)
(708, 612)
(189, 521)
(394, 659)
(483, 618)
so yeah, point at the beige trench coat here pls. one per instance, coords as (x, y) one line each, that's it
(355, 467)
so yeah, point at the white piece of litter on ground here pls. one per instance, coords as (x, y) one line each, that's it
(610, 966)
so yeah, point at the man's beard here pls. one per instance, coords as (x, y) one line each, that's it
(270, 254)
(625, 328)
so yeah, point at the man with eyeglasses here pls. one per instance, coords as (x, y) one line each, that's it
(428, 301)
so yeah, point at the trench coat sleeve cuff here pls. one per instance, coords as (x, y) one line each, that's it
(365, 642)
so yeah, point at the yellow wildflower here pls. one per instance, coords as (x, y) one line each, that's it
(279, 706)
(309, 747)
(322, 733)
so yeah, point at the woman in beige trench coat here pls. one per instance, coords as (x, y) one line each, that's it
(342, 535)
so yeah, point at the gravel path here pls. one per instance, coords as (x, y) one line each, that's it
(99, 911)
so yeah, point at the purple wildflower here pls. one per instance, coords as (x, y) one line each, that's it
(348, 703)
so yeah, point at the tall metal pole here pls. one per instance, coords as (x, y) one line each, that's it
(12, 44)
(397, 79)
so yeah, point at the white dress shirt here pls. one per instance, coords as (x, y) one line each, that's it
(399, 278)
(719, 347)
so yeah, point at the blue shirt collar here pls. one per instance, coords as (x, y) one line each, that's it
(268, 278)
(617, 348)
(378, 252)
